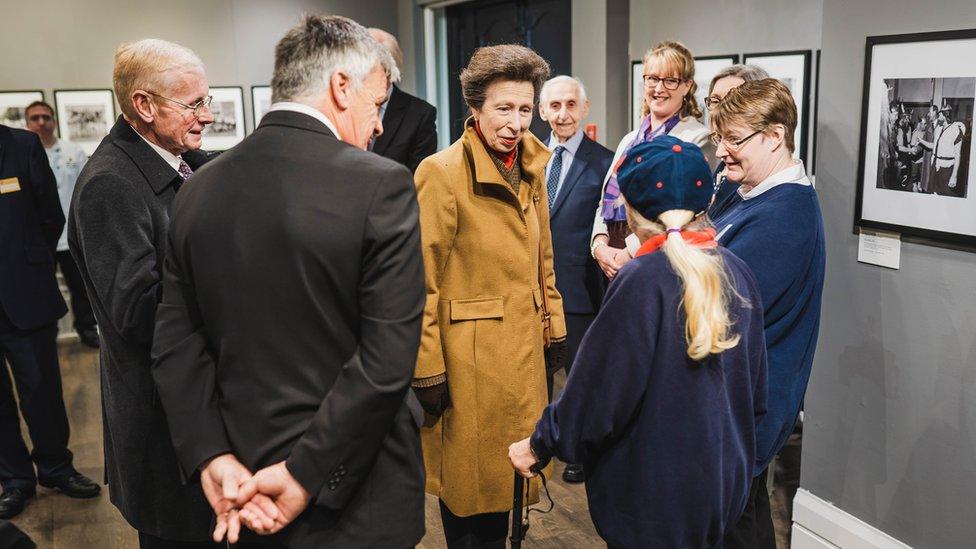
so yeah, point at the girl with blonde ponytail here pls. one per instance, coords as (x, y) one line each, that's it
(662, 403)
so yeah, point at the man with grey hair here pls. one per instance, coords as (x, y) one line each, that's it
(574, 182)
(117, 229)
(292, 301)
(409, 123)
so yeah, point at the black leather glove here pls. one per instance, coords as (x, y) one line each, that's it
(434, 399)
(556, 356)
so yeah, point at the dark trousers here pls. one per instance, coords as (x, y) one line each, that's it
(484, 531)
(81, 308)
(33, 359)
(576, 327)
(755, 529)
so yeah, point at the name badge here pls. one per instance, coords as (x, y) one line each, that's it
(9, 185)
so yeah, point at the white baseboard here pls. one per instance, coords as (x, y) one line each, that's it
(818, 524)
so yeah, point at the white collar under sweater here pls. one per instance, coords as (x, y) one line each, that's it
(796, 174)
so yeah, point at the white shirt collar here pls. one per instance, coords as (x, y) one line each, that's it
(170, 158)
(794, 174)
(306, 109)
(572, 144)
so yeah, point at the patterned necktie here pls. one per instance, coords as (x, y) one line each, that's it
(552, 183)
(185, 173)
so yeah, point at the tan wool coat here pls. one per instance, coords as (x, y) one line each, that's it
(482, 325)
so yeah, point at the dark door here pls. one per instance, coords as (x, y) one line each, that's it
(543, 25)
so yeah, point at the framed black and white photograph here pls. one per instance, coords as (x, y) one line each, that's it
(916, 146)
(636, 93)
(260, 102)
(85, 116)
(706, 67)
(227, 129)
(792, 68)
(13, 106)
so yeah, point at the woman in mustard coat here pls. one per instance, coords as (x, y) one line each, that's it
(491, 296)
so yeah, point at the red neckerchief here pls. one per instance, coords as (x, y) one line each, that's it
(507, 158)
(702, 239)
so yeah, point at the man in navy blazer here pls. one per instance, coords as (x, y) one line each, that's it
(30, 306)
(574, 182)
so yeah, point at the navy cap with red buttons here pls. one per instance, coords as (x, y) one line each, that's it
(665, 174)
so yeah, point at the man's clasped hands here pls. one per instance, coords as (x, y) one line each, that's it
(265, 501)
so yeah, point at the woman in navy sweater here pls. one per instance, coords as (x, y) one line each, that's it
(669, 381)
(775, 227)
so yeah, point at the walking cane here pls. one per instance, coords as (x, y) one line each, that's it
(518, 530)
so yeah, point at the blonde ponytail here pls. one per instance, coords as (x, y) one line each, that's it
(706, 287)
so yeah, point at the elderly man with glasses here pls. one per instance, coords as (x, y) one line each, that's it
(117, 231)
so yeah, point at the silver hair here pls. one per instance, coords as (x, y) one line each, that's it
(149, 64)
(311, 52)
(562, 78)
(748, 73)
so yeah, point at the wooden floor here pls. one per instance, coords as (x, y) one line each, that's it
(55, 521)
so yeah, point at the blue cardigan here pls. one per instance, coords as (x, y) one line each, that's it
(668, 443)
(779, 234)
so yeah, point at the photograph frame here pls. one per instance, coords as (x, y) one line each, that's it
(636, 92)
(937, 207)
(804, 57)
(226, 138)
(98, 97)
(12, 99)
(258, 94)
(705, 62)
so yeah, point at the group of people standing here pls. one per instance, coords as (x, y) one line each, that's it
(923, 155)
(300, 337)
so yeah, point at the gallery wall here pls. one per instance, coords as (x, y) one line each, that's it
(890, 430)
(51, 44)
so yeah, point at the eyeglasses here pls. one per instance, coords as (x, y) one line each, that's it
(196, 107)
(40, 118)
(718, 140)
(669, 83)
(711, 101)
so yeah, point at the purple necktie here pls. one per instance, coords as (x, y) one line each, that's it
(185, 171)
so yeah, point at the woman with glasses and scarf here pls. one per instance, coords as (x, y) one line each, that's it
(669, 108)
(777, 230)
(663, 399)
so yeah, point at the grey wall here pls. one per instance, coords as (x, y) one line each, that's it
(50, 44)
(600, 37)
(891, 407)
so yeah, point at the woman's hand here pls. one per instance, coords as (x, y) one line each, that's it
(520, 453)
(606, 258)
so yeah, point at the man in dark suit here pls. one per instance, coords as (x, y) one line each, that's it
(409, 123)
(117, 229)
(30, 306)
(292, 301)
(574, 183)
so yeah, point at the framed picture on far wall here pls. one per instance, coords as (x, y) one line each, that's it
(792, 68)
(227, 129)
(85, 116)
(260, 102)
(13, 106)
(636, 93)
(916, 149)
(706, 68)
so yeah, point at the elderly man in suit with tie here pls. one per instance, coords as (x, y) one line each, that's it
(409, 123)
(292, 302)
(574, 180)
(117, 229)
